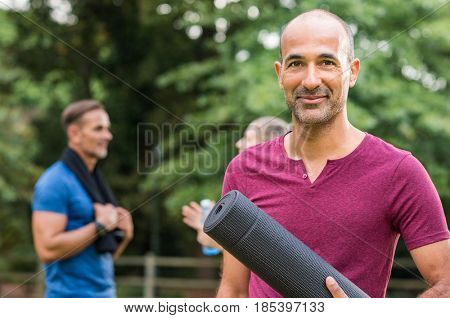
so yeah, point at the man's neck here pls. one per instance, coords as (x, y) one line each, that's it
(89, 161)
(332, 140)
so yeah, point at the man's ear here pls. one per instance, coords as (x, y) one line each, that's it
(278, 66)
(73, 133)
(354, 71)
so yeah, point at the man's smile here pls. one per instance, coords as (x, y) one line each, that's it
(312, 99)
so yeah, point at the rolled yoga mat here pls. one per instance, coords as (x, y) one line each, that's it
(270, 251)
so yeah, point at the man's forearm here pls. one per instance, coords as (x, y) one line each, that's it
(66, 244)
(439, 290)
(120, 249)
(225, 291)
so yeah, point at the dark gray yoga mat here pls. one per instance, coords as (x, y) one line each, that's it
(270, 251)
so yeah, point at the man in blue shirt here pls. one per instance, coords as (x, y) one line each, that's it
(68, 220)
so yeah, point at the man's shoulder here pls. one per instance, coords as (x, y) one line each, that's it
(52, 189)
(259, 154)
(57, 174)
(398, 161)
(379, 149)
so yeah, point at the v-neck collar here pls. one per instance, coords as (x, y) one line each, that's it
(329, 163)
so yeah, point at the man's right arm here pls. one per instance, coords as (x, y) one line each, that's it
(235, 278)
(52, 242)
(235, 275)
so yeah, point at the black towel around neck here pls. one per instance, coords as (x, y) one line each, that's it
(99, 192)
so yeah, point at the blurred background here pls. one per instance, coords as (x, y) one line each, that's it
(167, 67)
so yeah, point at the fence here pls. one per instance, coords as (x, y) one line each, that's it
(151, 281)
(144, 273)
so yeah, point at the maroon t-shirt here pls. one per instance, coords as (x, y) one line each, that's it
(353, 213)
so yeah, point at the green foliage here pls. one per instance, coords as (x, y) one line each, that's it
(17, 173)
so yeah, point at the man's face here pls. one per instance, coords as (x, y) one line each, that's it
(249, 139)
(92, 134)
(315, 73)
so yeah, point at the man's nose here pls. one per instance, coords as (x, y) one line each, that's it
(108, 135)
(312, 80)
(239, 144)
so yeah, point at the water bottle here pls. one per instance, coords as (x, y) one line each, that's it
(206, 206)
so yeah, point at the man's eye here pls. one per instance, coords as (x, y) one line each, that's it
(294, 64)
(328, 63)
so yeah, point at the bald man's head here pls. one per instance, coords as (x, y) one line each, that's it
(319, 13)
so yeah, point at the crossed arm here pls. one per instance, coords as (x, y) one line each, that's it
(52, 242)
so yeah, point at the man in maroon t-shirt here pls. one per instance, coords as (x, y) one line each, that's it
(346, 194)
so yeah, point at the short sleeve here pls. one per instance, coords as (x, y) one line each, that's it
(50, 195)
(234, 178)
(417, 211)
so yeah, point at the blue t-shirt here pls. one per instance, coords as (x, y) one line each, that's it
(88, 273)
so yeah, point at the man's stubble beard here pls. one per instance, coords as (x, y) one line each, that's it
(328, 111)
(96, 155)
